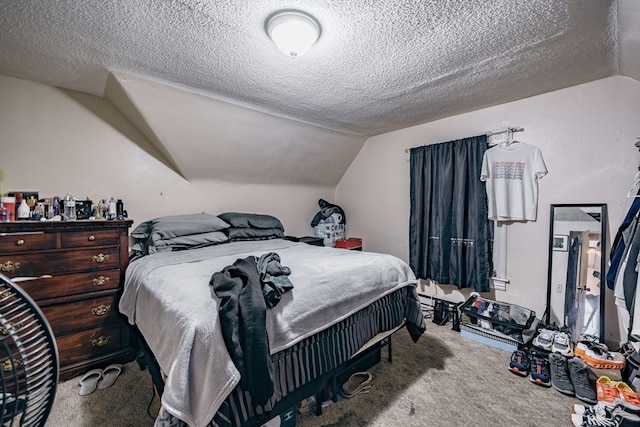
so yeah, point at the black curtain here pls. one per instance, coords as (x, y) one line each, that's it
(450, 236)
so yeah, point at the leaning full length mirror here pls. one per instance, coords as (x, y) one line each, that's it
(575, 294)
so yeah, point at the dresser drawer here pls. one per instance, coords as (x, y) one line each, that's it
(24, 242)
(62, 261)
(87, 239)
(84, 345)
(71, 284)
(86, 314)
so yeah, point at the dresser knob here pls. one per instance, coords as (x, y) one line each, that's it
(9, 365)
(20, 242)
(101, 341)
(101, 257)
(9, 267)
(100, 281)
(92, 238)
(101, 310)
(11, 327)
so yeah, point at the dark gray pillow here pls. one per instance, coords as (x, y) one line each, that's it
(249, 220)
(190, 241)
(167, 227)
(244, 233)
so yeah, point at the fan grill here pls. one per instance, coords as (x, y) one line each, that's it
(28, 359)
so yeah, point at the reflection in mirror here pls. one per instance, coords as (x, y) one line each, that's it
(576, 269)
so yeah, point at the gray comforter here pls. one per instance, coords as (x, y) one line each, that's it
(168, 297)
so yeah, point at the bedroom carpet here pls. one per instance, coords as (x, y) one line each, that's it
(443, 380)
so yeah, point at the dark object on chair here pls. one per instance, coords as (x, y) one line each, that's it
(28, 357)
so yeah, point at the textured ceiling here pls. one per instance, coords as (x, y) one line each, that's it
(379, 65)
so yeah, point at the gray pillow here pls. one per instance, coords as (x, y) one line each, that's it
(243, 233)
(166, 227)
(249, 220)
(190, 241)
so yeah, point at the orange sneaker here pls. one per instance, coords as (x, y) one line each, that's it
(627, 394)
(598, 358)
(606, 390)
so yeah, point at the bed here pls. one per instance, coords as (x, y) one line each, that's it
(341, 301)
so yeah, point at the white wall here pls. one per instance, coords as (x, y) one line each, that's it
(586, 134)
(52, 143)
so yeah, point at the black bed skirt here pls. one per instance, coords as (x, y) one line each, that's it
(305, 368)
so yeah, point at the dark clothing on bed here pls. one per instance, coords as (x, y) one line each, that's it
(273, 277)
(243, 320)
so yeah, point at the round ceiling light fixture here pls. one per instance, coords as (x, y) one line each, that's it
(293, 31)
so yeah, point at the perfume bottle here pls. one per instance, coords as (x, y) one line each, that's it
(24, 213)
(103, 209)
(38, 212)
(54, 209)
(112, 209)
(69, 205)
(4, 213)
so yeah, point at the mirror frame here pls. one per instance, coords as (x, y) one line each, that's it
(603, 260)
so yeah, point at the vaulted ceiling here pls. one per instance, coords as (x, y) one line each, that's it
(205, 84)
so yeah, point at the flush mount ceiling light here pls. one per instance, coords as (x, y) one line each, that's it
(293, 31)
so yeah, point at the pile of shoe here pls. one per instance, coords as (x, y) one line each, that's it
(618, 406)
(551, 363)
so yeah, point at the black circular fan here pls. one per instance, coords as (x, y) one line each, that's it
(28, 359)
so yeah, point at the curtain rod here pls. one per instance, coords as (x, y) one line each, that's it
(498, 132)
(488, 134)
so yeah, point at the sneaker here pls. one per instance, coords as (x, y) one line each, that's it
(560, 374)
(604, 416)
(544, 339)
(579, 409)
(606, 390)
(597, 415)
(519, 364)
(580, 375)
(586, 342)
(599, 358)
(562, 343)
(627, 394)
(539, 370)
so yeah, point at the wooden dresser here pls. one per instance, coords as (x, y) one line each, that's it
(76, 271)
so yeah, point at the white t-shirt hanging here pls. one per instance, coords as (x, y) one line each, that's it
(511, 173)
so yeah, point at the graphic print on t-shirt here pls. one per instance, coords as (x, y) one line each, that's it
(508, 170)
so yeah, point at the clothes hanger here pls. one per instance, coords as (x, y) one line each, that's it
(636, 179)
(634, 188)
(510, 139)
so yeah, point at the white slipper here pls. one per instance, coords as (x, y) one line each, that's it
(109, 376)
(89, 382)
